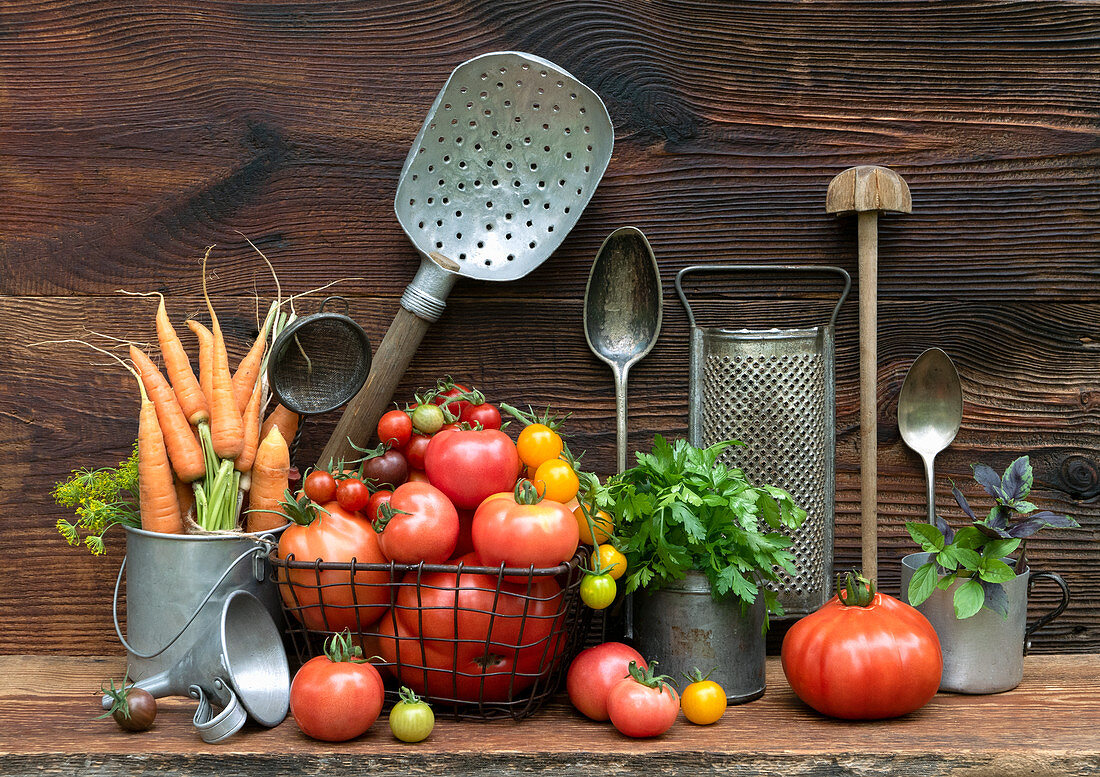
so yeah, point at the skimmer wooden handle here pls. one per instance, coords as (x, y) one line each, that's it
(361, 415)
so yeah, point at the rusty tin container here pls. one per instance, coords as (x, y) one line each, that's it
(684, 627)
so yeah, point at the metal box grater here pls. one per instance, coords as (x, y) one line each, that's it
(774, 390)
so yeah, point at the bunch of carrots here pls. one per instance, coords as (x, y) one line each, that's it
(202, 441)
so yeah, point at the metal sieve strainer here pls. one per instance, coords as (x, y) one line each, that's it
(319, 361)
(505, 162)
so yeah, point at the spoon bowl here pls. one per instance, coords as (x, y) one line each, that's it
(622, 312)
(930, 411)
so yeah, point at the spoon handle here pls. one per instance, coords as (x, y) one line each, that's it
(620, 417)
(929, 461)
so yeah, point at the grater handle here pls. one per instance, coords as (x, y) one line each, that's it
(792, 268)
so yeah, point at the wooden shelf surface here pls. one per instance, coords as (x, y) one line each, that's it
(1050, 725)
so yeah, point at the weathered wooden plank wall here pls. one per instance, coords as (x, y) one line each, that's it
(132, 136)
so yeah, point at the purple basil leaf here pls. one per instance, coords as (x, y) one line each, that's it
(992, 532)
(995, 598)
(963, 504)
(1016, 483)
(997, 518)
(945, 529)
(1047, 518)
(989, 480)
(1025, 529)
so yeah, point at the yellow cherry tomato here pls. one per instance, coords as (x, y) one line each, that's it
(704, 701)
(600, 519)
(538, 443)
(556, 480)
(605, 556)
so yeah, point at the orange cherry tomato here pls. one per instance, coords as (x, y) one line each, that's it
(600, 519)
(538, 443)
(556, 480)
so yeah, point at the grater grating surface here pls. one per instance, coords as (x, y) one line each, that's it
(776, 403)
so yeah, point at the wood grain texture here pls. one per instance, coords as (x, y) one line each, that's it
(133, 137)
(776, 735)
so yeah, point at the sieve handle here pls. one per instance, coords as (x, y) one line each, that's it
(801, 269)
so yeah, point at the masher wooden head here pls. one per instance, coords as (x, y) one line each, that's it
(868, 190)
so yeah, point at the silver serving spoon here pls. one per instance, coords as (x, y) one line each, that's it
(622, 312)
(930, 411)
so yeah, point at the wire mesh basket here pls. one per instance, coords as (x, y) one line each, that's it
(480, 643)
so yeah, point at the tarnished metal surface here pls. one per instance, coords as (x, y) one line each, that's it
(985, 652)
(684, 628)
(200, 612)
(623, 307)
(507, 159)
(774, 390)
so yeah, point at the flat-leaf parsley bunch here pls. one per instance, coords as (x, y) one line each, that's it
(680, 509)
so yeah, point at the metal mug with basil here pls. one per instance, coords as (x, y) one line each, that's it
(983, 653)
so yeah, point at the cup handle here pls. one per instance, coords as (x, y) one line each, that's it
(1058, 610)
(213, 726)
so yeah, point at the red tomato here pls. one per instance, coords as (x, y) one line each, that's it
(526, 642)
(424, 529)
(352, 494)
(394, 428)
(470, 465)
(455, 407)
(485, 414)
(543, 534)
(863, 662)
(415, 449)
(594, 671)
(416, 476)
(378, 498)
(331, 600)
(320, 486)
(335, 698)
(639, 710)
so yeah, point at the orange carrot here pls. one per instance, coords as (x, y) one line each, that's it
(160, 509)
(185, 494)
(178, 367)
(184, 450)
(206, 357)
(286, 420)
(243, 463)
(270, 480)
(249, 369)
(226, 423)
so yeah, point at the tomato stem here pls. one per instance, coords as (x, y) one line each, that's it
(646, 676)
(303, 510)
(340, 649)
(525, 493)
(854, 590)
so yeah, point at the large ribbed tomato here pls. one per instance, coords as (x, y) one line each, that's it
(327, 600)
(872, 658)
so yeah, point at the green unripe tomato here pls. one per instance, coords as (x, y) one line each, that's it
(411, 719)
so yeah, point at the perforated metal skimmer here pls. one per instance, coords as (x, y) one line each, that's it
(774, 390)
(510, 154)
